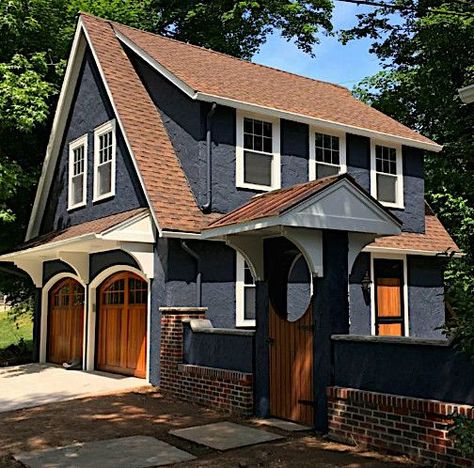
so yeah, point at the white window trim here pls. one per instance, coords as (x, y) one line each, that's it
(312, 151)
(81, 141)
(406, 314)
(400, 204)
(239, 150)
(98, 131)
(240, 320)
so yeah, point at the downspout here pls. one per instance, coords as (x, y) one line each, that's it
(196, 257)
(207, 206)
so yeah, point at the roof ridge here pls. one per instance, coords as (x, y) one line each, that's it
(328, 83)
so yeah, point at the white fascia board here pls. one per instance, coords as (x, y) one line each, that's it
(60, 118)
(271, 111)
(59, 123)
(181, 235)
(393, 250)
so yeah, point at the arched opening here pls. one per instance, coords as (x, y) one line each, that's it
(65, 321)
(122, 324)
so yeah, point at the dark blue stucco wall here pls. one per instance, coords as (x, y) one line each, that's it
(53, 267)
(218, 279)
(90, 109)
(425, 296)
(99, 262)
(358, 159)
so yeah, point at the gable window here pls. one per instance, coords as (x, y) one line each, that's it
(327, 155)
(386, 175)
(104, 161)
(245, 291)
(258, 153)
(77, 188)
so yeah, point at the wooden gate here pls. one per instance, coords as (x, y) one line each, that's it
(122, 325)
(65, 321)
(291, 367)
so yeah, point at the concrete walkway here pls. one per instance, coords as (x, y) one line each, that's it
(37, 384)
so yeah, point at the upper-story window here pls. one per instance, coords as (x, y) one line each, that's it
(258, 152)
(387, 175)
(104, 161)
(77, 187)
(245, 292)
(327, 154)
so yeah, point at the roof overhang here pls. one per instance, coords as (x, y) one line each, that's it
(271, 111)
(340, 206)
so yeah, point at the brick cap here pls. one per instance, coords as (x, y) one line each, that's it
(183, 310)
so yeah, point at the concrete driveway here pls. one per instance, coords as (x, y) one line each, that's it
(37, 384)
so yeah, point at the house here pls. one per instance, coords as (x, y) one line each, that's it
(274, 205)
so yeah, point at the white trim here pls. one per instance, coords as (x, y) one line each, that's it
(406, 312)
(312, 150)
(399, 187)
(98, 132)
(394, 250)
(240, 320)
(73, 145)
(239, 153)
(271, 111)
(92, 313)
(43, 344)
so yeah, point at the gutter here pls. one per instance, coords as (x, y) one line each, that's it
(206, 207)
(196, 257)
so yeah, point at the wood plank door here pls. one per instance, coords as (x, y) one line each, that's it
(122, 325)
(291, 367)
(389, 317)
(65, 321)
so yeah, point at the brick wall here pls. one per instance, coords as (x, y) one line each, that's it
(224, 389)
(412, 426)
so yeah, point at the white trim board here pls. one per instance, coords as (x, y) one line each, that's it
(270, 111)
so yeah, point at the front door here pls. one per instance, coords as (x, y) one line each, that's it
(291, 367)
(389, 317)
(122, 325)
(65, 321)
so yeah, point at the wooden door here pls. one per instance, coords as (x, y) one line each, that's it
(291, 367)
(122, 325)
(65, 321)
(389, 297)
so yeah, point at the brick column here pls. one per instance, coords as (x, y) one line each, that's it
(171, 349)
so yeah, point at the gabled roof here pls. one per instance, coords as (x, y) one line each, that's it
(209, 75)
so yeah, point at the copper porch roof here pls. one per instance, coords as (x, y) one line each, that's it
(95, 226)
(224, 76)
(166, 186)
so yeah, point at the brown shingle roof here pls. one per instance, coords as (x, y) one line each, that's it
(90, 227)
(165, 183)
(225, 76)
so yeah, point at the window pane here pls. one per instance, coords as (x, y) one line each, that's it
(323, 170)
(104, 174)
(386, 188)
(248, 275)
(258, 127)
(257, 168)
(267, 145)
(267, 129)
(248, 125)
(257, 143)
(327, 148)
(319, 140)
(248, 141)
(77, 189)
(249, 303)
(257, 135)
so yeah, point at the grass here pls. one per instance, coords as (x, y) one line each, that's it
(12, 333)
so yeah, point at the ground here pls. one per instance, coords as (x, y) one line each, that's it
(151, 413)
(11, 334)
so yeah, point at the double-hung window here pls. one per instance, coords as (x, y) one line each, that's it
(104, 161)
(258, 153)
(77, 187)
(327, 155)
(245, 292)
(387, 175)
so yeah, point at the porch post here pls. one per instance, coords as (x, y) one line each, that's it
(261, 364)
(331, 316)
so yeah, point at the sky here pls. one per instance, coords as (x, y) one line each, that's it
(342, 64)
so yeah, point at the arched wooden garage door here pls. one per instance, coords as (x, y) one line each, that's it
(122, 323)
(65, 321)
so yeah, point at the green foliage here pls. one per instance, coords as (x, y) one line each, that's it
(462, 431)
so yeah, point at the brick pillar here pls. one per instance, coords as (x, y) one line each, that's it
(171, 349)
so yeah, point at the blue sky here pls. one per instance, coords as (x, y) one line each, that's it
(334, 62)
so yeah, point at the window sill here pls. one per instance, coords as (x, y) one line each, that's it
(245, 323)
(392, 205)
(75, 207)
(261, 188)
(103, 197)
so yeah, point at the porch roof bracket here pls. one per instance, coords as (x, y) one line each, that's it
(251, 247)
(357, 241)
(143, 254)
(310, 243)
(33, 268)
(79, 261)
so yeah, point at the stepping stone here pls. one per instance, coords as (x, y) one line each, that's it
(132, 452)
(287, 426)
(225, 435)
